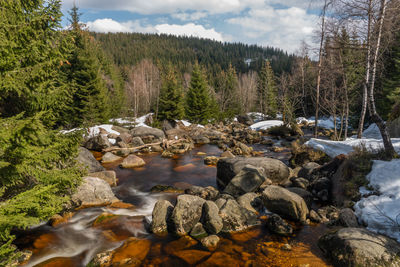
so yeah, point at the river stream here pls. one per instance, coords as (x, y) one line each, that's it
(77, 241)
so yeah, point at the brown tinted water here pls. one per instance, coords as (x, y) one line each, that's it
(86, 234)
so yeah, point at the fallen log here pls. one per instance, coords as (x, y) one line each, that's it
(164, 144)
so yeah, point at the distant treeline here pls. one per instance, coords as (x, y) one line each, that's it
(184, 52)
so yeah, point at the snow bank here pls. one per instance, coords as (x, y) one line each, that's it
(95, 130)
(264, 125)
(371, 132)
(335, 148)
(141, 121)
(381, 213)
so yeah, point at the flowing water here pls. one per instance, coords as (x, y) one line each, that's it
(77, 241)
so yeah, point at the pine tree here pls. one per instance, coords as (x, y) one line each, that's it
(227, 89)
(32, 51)
(267, 91)
(171, 106)
(90, 98)
(198, 101)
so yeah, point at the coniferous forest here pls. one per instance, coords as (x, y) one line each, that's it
(54, 79)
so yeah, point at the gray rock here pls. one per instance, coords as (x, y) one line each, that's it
(274, 169)
(227, 154)
(87, 160)
(200, 139)
(210, 242)
(245, 119)
(307, 196)
(300, 182)
(123, 152)
(198, 231)
(235, 218)
(132, 161)
(347, 218)
(109, 176)
(249, 179)
(137, 141)
(307, 170)
(329, 213)
(124, 137)
(278, 225)
(285, 203)
(186, 214)
(161, 217)
(211, 219)
(360, 247)
(207, 193)
(109, 157)
(93, 192)
(249, 201)
(146, 131)
(97, 143)
(315, 217)
(220, 202)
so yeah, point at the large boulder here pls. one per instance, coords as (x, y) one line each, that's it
(360, 247)
(273, 169)
(236, 218)
(211, 219)
(250, 201)
(207, 193)
(124, 137)
(249, 179)
(97, 143)
(186, 214)
(109, 158)
(93, 192)
(147, 131)
(109, 176)
(161, 216)
(285, 203)
(347, 218)
(87, 160)
(132, 161)
(307, 196)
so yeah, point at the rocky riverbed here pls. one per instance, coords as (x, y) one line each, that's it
(213, 196)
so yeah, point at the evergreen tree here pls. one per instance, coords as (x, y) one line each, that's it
(227, 89)
(267, 91)
(198, 101)
(90, 97)
(391, 82)
(171, 106)
(32, 51)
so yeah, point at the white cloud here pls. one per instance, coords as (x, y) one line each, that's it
(189, 16)
(166, 6)
(190, 29)
(283, 28)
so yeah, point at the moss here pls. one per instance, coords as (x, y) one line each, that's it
(302, 154)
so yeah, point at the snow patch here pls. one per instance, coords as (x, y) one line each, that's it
(381, 213)
(335, 148)
(264, 125)
(95, 130)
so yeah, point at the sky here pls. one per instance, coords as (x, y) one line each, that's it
(283, 24)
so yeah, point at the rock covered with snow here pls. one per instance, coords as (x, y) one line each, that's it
(335, 148)
(265, 125)
(381, 212)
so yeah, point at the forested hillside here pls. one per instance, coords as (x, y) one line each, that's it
(183, 52)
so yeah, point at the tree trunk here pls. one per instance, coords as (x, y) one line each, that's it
(320, 68)
(389, 150)
(367, 72)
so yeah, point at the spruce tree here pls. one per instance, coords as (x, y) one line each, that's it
(171, 106)
(198, 101)
(32, 51)
(267, 91)
(90, 98)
